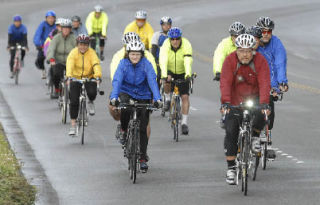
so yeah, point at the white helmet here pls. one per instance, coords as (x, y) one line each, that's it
(141, 14)
(66, 23)
(98, 8)
(130, 36)
(59, 21)
(135, 46)
(245, 41)
(166, 19)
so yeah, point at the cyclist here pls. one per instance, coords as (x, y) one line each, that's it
(117, 57)
(141, 27)
(245, 74)
(17, 33)
(40, 37)
(176, 62)
(273, 50)
(158, 39)
(225, 47)
(77, 27)
(140, 88)
(97, 24)
(59, 48)
(51, 35)
(82, 62)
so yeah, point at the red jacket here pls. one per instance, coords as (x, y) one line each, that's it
(237, 85)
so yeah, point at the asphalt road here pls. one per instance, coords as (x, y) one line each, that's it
(191, 171)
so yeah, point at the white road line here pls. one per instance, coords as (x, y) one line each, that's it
(193, 108)
(300, 162)
(289, 156)
(284, 154)
(279, 151)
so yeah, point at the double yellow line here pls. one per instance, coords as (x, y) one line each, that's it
(310, 89)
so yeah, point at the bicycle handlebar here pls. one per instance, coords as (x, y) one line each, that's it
(134, 104)
(84, 80)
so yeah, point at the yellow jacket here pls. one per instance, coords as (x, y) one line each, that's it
(145, 33)
(95, 25)
(119, 55)
(85, 65)
(224, 48)
(178, 62)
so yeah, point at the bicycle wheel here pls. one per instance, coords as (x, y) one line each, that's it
(254, 164)
(16, 76)
(81, 122)
(64, 108)
(264, 153)
(136, 153)
(246, 153)
(177, 114)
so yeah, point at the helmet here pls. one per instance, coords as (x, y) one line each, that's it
(66, 23)
(237, 28)
(50, 13)
(83, 38)
(59, 21)
(76, 18)
(130, 36)
(255, 31)
(174, 32)
(166, 19)
(98, 8)
(141, 14)
(265, 22)
(135, 46)
(17, 18)
(245, 41)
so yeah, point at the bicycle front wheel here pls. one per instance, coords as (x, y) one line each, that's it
(16, 77)
(246, 152)
(82, 119)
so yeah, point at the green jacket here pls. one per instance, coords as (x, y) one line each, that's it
(224, 48)
(178, 62)
(60, 48)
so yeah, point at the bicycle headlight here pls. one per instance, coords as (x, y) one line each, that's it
(249, 103)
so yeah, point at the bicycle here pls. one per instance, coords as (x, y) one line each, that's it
(17, 61)
(82, 120)
(175, 106)
(266, 140)
(133, 137)
(247, 160)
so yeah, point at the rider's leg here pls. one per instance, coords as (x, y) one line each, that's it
(102, 43)
(12, 55)
(74, 94)
(231, 145)
(272, 115)
(125, 114)
(184, 92)
(57, 75)
(23, 53)
(93, 42)
(91, 88)
(144, 121)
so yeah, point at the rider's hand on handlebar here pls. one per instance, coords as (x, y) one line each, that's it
(169, 78)
(225, 108)
(158, 104)
(284, 87)
(217, 77)
(114, 102)
(265, 108)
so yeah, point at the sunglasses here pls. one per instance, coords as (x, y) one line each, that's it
(175, 39)
(267, 32)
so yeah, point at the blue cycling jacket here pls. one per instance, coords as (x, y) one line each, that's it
(42, 33)
(276, 55)
(138, 81)
(17, 33)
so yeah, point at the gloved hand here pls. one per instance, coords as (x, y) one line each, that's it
(225, 107)
(158, 104)
(217, 77)
(284, 87)
(188, 78)
(265, 108)
(114, 102)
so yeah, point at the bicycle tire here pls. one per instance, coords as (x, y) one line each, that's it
(256, 162)
(264, 156)
(245, 169)
(16, 77)
(177, 114)
(135, 153)
(65, 104)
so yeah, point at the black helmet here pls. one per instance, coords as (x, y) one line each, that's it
(255, 31)
(265, 22)
(76, 18)
(237, 28)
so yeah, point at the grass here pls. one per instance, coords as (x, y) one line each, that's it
(14, 188)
